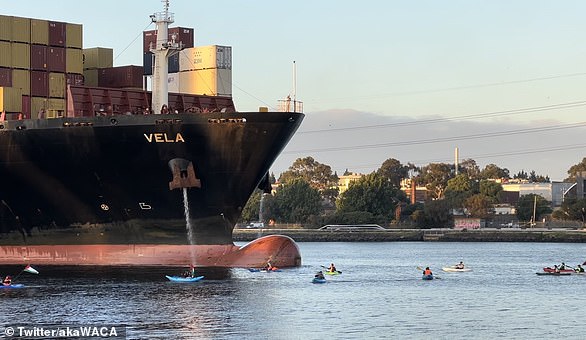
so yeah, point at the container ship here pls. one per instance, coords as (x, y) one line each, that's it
(96, 170)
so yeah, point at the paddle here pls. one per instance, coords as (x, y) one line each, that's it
(339, 271)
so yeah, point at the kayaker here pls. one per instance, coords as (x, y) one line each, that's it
(332, 268)
(460, 265)
(319, 275)
(7, 280)
(268, 267)
(427, 271)
(579, 269)
(556, 269)
(563, 266)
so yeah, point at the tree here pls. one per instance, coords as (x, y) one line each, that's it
(435, 177)
(318, 175)
(458, 190)
(575, 170)
(491, 189)
(437, 214)
(479, 206)
(470, 168)
(371, 193)
(250, 212)
(526, 205)
(572, 209)
(394, 171)
(491, 171)
(297, 201)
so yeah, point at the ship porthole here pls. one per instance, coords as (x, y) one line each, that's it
(1, 127)
(113, 121)
(105, 207)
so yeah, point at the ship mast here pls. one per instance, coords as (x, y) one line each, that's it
(162, 51)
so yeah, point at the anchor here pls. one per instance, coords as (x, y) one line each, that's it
(183, 174)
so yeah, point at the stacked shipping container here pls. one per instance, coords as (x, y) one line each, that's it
(38, 58)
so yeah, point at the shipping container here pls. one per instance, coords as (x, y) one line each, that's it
(182, 35)
(39, 84)
(39, 57)
(173, 83)
(57, 85)
(205, 57)
(57, 33)
(5, 28)
(173, 63)
(98, 57)
(39, 32)
(148, 61)
(5, 54)
(210, 82)
(74, 35)
(21, 55)
(22, 79)
(90, 77)
(26, 107)
(38, 107)
(74, 79)
(55, 108)
(5, 77)
(21, 30)
(73, 60)
(56, 59)
(121, 77)
(10, 99)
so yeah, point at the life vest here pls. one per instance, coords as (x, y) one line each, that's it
(427, 272)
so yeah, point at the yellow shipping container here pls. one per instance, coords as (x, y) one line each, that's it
(98, 57)
(90, 77)
(56, 85)
(73, 35)
(5, 27)
(38, 104)
(39, 32)
(21, 30)
(55, 108)
(10, 99)
(210, 82)
(21, 79)
(74, 61)
(21, 55)
(5, 54)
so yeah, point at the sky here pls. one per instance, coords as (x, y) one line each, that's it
(503, 81)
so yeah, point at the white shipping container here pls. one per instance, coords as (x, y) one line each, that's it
(173, 83)
(205, 57)
(210, 82)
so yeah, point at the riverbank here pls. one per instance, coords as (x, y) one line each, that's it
(437, 235)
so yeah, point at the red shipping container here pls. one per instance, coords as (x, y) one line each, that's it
(39, 57)
(74, 79)
(26, 107)
(39, 84)
(120, 77)
(57, 33)
(5, 77)
(182, 34)
(56, 59)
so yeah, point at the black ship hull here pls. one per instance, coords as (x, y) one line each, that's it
(120, 180)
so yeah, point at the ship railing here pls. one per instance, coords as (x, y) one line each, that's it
(288, 105)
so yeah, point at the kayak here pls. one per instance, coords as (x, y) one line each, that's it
(263, 270)
(337, 272)
(14, 285)
(452, 269)
(552, 270)
(183, 279)
(427, 277)
(554, 273)
(316, 280)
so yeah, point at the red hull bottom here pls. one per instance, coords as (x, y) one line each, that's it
(279, 250)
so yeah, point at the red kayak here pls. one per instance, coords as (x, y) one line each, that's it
(552, 270)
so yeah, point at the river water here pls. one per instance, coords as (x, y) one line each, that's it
(380, 295)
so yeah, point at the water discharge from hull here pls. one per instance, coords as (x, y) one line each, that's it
(188, 226)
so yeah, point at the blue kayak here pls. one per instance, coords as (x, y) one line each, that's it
(427, 277)
(183, 279)
(15, 285)
(316, 280)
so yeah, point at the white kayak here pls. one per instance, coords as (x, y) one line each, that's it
(456, 270)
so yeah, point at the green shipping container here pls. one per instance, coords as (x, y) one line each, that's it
(90, 77)
(21, 55)
(10, 99)
(55, 108)
(98, 57)
(56, 85)
(21, 30)
(5, 54)
(73, 60)
(5, 28)
(74, 35)
(39, 32)
(21, 79)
